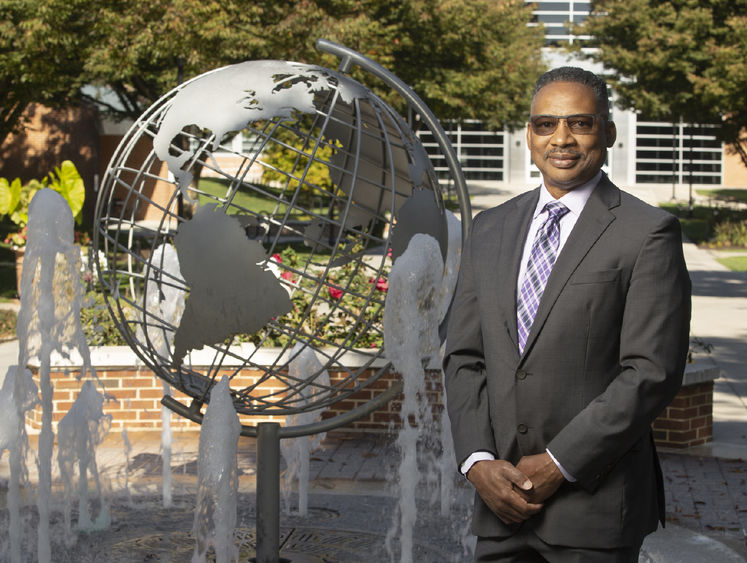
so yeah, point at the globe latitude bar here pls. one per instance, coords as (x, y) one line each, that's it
(122, 238)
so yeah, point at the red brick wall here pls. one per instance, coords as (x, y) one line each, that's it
(50, 136)
(688, 420)
(136, 394)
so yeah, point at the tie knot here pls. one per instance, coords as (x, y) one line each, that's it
(556, 210)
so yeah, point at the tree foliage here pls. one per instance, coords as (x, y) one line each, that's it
(677, 59)
(465, 58)
(39, 55)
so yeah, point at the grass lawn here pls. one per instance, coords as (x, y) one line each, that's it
(725, 194)
(734, 263)
(249, 199)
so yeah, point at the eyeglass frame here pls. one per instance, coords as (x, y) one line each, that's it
(593, 117)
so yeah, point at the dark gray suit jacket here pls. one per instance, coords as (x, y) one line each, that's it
(604, 357)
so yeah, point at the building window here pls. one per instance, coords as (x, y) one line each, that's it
(481, 153)
(557, 18)
(677, 154)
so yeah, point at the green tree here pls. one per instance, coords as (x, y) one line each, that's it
(40, 55)
(466, 58)
(676, 59)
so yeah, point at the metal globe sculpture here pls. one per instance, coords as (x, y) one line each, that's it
(259, 206)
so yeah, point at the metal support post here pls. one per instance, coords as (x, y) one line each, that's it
(268, 492)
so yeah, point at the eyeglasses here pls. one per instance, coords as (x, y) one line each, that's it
(578, 123)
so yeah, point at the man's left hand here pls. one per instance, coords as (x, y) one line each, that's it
(545, 476)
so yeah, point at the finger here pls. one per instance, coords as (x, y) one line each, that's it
(511, 515)
(516, 477)
(518, 509)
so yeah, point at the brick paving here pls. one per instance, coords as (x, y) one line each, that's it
(707, 494)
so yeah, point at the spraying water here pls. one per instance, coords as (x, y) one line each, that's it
(217, 478)
(164, 299)
(166, 451)
(48, 320)
(411, 338)
(451, 271)
(80, 431)
(296, 451)
(127, 451)
(17, 396)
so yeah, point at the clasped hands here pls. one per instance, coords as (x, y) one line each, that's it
(514, 493)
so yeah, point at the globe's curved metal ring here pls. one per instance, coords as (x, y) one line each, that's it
(349, 57)
(163, 231)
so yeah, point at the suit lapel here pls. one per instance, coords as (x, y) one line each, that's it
(508, 257)
(594, 220)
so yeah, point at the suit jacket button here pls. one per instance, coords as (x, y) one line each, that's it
(522, 428)
(521, 374)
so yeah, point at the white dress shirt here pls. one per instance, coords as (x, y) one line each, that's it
(575, 200)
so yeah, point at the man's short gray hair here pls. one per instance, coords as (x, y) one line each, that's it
(576, 74)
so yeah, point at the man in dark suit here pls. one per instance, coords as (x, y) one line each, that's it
(568, 335)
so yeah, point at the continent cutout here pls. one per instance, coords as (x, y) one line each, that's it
(419, 214)
(230, 292)
(229, 98)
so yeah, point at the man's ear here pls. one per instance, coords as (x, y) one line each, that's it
(611, 133)
(529, 135)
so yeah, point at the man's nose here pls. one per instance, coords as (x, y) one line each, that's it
(562, 134)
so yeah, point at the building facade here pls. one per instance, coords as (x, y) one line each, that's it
(646, 151)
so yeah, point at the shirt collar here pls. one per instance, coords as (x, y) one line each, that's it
(574, 200)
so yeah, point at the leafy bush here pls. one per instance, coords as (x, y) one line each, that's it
(98, 325)
(730, 233)
(704, 224)
(15, 197)
(8, 320)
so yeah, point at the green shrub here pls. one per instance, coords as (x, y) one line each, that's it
(98, 325)
(8, 320)
(730, 233)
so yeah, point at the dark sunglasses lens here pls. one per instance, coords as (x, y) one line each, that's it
(544, 125)
(581, 124)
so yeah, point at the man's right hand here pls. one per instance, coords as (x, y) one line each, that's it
(497, 482)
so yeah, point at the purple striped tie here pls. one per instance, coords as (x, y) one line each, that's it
(541, 259)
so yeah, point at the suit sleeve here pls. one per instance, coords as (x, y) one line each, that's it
(464, 367)
(653, 350)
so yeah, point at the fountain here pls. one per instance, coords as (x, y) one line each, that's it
(296, 451)
(163, 282)
(217, 483)
(19, 394)
(411, 339)
(48, 320)
(79, 432)
(358, 188)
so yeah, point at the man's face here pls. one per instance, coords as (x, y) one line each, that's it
(567, 159)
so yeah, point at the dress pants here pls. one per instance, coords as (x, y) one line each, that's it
(526, 547)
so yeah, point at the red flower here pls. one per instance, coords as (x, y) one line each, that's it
(277, 258)
(287, 276)
(381, 283)
(335, 292)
